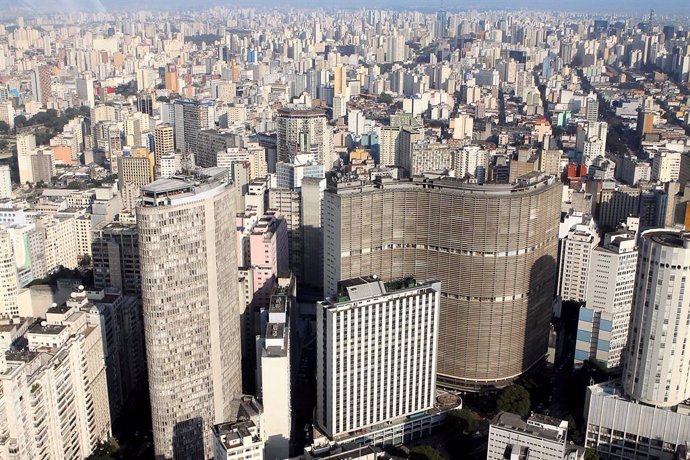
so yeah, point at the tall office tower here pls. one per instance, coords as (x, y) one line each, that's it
(304, 130)
(134, 170)
(389, 144)
(209, 143)
(645, 122)
(115, 257)
(275, 349)
(85, 91)
(575, 255)
(492, 246)
(9, 283)
(666, 166)
(40, 84)
(5, 182)
(268, 254)
(340, 80)
(191, 116)
(602, 329)
(171, 78)
(656, 366)
(591, 109)
(54, 402)
(189, 291)
(145, 103)
(390, 371)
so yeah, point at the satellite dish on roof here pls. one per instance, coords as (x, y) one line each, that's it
(44, 323)
(54, 304)
(73, 295)
(81, 287)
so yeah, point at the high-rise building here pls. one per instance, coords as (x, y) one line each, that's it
(85, 91)
(492, 246)
(171, 78)
(189, 291)
(54, 402)
(9, 283)
(304, 130)
(657, 363)
(376, 346)
(115, 257)
(591, 109)
(574, 260)
(602, 329)
(164, 142)
(191, 116)
(340, 81)
(40, 84)
(666, 166)
(135, 168)
(242, 436)
(312, 233)
(5, 182)
(275, 356)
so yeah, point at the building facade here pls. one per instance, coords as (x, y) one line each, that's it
(492, 246)
(189, 291)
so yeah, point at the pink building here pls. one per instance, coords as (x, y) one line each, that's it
(268, 254)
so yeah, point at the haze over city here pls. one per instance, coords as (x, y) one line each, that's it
(344, 231)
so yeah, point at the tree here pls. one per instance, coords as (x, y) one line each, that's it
(463, 420)
(385, 98)
(19, 121)
(425, 453)
(591, 454)
(105, 450)
(515, 399)
(4, 127)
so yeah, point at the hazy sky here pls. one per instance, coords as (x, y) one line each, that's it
(662, 7)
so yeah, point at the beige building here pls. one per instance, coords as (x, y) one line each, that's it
(134, 171)
(164, 142)
(493, 248)
(189, 291)
(304, 130)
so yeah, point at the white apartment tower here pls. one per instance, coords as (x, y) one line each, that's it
(189, 291)
(376, 353)
(602, 330)
(575, 255)
(657, 365)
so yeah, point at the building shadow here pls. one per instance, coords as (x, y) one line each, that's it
(188, 440)
(542, 290)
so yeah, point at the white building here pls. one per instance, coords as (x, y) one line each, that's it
(391, 371)
(666, 166)
(619, 428)
(538, 438)
(9, 283)
(54, 402)
(575, 255)
(657, 364)
(274, 377)
(602, 329)
(5, 182)
(242, 438)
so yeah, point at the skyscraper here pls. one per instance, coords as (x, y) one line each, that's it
(40, 84)
(164, 142)
(657, 363)
(189, 292)
(304, 130)
(493, 247)
(191, 116)
(375, 353)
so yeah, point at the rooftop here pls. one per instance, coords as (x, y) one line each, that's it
(515, 423)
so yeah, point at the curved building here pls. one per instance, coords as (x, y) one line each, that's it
(658, 364)
(304, 130)
(493, 247)
(189, 292)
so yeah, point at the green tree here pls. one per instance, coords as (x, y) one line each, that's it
(19, 121)
(425, 453)
(591, 454)
(463, 420)
(105, 450)
(385, 98)
(515, 399)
